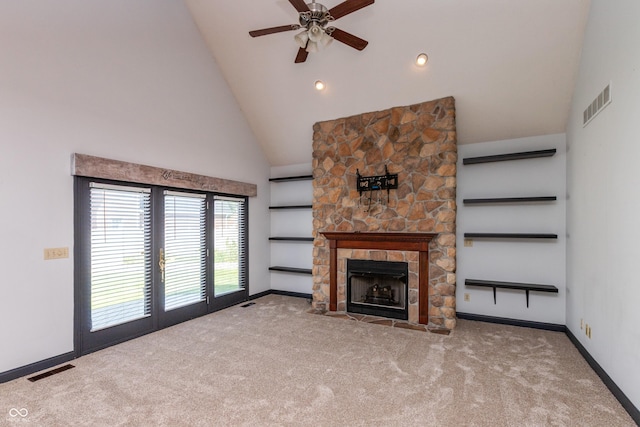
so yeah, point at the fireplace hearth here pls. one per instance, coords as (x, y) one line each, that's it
(378, 288)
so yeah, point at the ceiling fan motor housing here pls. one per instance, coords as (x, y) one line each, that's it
(317, 13)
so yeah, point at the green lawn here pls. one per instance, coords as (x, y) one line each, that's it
(227, 281)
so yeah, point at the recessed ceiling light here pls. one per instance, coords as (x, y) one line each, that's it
(319, 85)
(422, 59)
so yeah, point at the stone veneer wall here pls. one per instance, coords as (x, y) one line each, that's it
(418, 143)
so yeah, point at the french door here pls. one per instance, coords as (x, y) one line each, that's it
(149, 257)
(183, 258)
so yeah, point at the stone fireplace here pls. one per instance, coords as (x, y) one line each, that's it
(413, 223)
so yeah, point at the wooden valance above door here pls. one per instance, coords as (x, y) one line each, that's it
(99, 167)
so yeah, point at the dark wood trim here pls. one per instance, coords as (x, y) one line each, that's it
(259, 295)
(333, 275)
(510, 156)
(513, 322)
(290, 269)
(292, 239)
(382, 241)
(510, 236)
(423, 287)
(511, 285)
(279, 292)
(292, 178)
(291, 207)
(633, 412)
(494, 200)
(32, 368)
(291, 294)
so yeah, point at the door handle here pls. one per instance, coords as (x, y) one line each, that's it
(161, 265)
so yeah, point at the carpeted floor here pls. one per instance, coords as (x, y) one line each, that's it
(275, 364)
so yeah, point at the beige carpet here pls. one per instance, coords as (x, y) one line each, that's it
(274, 364)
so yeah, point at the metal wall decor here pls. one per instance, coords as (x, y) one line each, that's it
(366, 185)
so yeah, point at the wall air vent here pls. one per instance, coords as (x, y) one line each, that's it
(599, 103)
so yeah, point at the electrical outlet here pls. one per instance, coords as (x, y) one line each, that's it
(581, 324)
(468, 243)
(587, 330)
(56, 253)
(467, 297)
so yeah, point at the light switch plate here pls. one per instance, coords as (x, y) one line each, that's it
(56, 253)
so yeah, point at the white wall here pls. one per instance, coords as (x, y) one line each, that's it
(602, 181)
(524, 261)
(291, 223)
(128, 80)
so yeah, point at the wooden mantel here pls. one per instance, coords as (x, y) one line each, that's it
(382, 241)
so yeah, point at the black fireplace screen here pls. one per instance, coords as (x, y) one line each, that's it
(377, 288)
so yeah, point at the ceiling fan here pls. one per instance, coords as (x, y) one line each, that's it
(314, 18)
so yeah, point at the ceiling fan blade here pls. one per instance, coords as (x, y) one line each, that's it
(300, 5)
(348, 6)
(272, 30)
(348, 39)
(302, 55)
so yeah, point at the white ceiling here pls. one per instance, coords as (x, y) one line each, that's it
(510, 64)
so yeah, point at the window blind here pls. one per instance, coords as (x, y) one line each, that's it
(120, 254)
(185, 249)
(230, 254)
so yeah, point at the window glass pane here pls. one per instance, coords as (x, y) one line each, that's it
(185, 249)
(229, 243)
(120, 255)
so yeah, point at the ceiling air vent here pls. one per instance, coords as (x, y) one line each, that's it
(602, 100)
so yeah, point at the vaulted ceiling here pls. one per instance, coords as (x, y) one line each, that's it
(510, 64)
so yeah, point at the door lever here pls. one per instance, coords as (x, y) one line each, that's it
(161, 265)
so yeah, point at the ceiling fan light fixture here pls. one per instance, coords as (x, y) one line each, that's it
(313, 39)
(302, 39)
(312, 47)
(325, 40)
(319, 85)
(422, 59)
(316, 32)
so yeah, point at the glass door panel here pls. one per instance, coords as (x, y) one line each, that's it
(184, 250)
(229, 254)
(114, 237)
(120, 255)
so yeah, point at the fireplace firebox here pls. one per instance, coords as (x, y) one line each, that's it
(378, 288)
